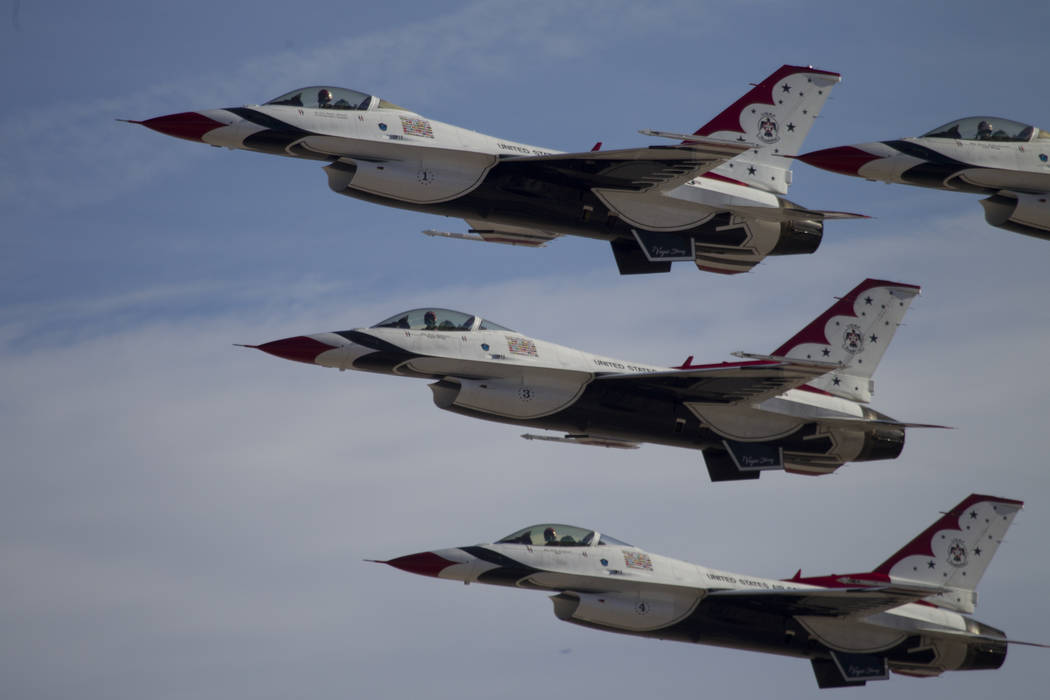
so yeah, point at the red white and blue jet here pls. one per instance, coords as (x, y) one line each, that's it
(907, 615)
(802, 408)
(716, 198)
(1007, 160)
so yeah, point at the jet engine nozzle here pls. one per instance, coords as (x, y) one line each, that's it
(799, 237)
(881, 443)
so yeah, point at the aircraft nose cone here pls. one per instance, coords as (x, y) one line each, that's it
(301, 348)
(184, 125)
(423, 563)
(847, 160)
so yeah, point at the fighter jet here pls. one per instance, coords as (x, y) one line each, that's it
(715, 198)
(986, 155)
(801, 408)
(906, 615)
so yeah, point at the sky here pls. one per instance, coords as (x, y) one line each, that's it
(182, 518)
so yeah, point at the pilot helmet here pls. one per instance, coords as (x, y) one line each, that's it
(429, 318)
(324, 96)
(549, 535)
(984, 128)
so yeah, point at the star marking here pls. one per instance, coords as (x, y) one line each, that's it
(930, 565)
(791, 127)
(973, 515)
(825, 352)
(751, 170)
(873, 338)
(805, 111)
(977, 551)
(836, 381)
(867, 300)
(785, 87)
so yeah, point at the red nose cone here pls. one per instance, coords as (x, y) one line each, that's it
(841, 159)
(300, 348)
(184, 125)
(424, 563)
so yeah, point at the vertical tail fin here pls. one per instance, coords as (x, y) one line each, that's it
(955, 550)
(775, 115)
(854, 331)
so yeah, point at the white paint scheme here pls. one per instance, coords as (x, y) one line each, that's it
(381, 152)
(806, 400)
(603, 583)
(1008, 160)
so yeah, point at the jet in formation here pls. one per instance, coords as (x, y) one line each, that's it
(802, 408)
(716, 198)
(908, 615)
(1007, 160)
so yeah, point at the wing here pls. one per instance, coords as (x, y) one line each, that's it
(833, 602)
(726, 383)
(653, 168)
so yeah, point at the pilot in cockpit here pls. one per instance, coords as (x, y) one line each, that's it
(430, 321)
(984, 131)
(324, 98)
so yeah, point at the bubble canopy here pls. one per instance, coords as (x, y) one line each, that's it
(432, 318)
(331, 97)
(560, 535)
(986, 129)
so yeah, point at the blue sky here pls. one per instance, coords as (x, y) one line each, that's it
(182, 518)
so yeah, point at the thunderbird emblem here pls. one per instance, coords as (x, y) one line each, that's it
(957, 553)
(768, 130)
(852, 339)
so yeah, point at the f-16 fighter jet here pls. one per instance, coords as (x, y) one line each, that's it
(801, 409)
(715, 198)
(904, 616)
(987, 155)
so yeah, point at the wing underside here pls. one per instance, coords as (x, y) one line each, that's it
(726, 383)
(653, 168)
(833, 602)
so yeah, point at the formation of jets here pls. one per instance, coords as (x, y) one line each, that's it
(907, 615)
(715, 197)
(800, 408)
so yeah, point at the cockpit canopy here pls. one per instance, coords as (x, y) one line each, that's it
(986, 129)
(431, 318)
(329, 97)
(558, 535)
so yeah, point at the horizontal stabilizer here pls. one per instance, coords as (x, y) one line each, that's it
(592, 440)
(793, 214)
(969, 637)
(847, 422)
